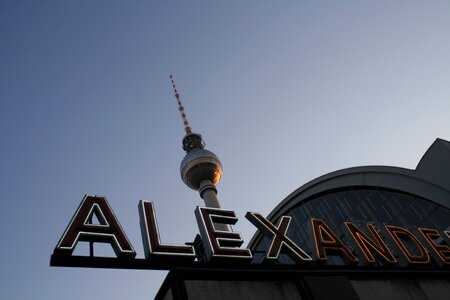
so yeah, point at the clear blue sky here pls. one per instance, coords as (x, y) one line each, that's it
(282, 91)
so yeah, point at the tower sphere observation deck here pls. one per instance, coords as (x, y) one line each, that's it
(199, 164)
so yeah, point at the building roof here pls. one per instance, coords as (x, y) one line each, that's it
(430, 180)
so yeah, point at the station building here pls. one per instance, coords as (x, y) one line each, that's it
(380, 201)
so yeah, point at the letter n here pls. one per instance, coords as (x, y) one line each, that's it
(369, 247)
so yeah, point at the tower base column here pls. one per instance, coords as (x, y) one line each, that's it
(208, 192)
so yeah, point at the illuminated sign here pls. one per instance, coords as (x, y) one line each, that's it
(388, 245)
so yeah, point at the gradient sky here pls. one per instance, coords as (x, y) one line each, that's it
(282, 92)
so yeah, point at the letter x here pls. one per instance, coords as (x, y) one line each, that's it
(279, 237)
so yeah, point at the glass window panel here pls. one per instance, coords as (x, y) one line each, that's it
(360, 206)
(441, 218)
(376, 199)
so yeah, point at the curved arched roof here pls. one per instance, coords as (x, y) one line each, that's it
(430, 180)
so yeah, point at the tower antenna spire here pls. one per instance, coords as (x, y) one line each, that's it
(187, 128)
(200, 169)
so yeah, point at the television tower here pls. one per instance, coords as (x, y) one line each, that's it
(200, 169)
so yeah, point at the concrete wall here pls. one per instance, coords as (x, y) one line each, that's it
(305, 285)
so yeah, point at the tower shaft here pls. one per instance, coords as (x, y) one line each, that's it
(208, 192)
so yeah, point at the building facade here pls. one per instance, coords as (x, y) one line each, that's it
(373, 232)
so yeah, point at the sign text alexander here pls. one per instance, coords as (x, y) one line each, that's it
(386, 244)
